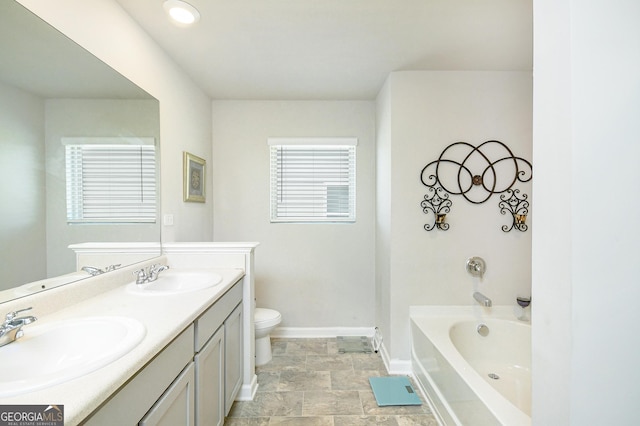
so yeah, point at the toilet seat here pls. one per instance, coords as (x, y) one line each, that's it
(264, 318)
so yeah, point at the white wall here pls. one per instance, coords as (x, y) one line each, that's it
(585, 244)
(103, 28)
(22, 165)
(316, 275)
(428, 111)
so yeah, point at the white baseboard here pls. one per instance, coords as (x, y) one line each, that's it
(400, 366)
(395, 366)
(321, 332)
(248, 391)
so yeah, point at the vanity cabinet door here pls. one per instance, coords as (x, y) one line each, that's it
(210, 382)
(176, 406)
(233, 356)
(141, 394)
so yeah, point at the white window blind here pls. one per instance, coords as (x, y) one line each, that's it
(110, 183)
(313, 180)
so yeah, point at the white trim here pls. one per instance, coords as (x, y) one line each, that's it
(312, 141)
(108, 140)
(399, 366)
(208, 247)
(125, 248)
(322, 332)
(248, 391)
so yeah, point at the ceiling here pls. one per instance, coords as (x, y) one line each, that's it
(336, 49)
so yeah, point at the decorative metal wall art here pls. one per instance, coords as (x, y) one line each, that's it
(477, 173)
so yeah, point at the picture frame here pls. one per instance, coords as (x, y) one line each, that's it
(194, 169)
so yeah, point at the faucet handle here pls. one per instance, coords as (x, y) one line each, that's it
(476, 266)
(157, 267)
(11, 315)
(140, 273)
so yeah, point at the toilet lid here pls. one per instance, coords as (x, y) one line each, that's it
(263, 316)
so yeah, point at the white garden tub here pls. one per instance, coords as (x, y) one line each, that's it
(471, 378)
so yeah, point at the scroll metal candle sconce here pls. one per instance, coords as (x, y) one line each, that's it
(477, 173)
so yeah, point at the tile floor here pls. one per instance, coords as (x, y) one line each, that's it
(308, 383)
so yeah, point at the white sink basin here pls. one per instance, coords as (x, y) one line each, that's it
(50, 354)
(173, 281)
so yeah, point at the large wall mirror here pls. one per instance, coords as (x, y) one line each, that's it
(52, 90)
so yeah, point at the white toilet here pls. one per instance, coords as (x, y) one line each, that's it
(265, 321)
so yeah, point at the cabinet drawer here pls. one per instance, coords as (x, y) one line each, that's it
(207, 324)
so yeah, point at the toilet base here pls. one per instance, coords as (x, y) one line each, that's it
(263, 350)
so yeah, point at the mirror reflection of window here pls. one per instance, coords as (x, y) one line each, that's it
(108, 181)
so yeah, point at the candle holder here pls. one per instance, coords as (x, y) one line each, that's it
(437, 203)
(515, 203)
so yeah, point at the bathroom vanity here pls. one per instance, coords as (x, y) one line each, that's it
(196, 376)
(196, 356)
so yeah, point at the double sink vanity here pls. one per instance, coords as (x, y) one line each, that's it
(178, 349)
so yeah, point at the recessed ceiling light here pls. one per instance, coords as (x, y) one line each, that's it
(181, 12)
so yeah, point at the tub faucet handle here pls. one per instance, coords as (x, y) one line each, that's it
(476, 266)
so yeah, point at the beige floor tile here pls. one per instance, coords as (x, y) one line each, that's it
(364, 420)
(329, 362)
(309, 383)
(284, 363)
(417, 420)
(304, 381)
(319, 403)
(302, 421)
(251, 421)
(353, 379)
(267, 404)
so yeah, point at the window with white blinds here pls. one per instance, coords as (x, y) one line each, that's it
(313, 179)
(110, 182)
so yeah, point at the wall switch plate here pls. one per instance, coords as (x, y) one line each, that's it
(167, 220)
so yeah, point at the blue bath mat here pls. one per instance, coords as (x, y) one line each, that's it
(396, 390)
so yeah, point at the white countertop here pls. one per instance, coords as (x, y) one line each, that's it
(164, 317)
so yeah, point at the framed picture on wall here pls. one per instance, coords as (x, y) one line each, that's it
(194, 178)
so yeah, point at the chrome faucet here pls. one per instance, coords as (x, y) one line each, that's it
(91, 270)
(11, 329)
(154, 271)
(482, 299)
(476, 266)
(150, 274)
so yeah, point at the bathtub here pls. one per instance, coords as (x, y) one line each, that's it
(468, 378)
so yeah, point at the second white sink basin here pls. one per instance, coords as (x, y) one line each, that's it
(174, 281)
(50, 354)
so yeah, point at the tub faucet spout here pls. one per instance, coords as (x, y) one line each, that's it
(482, 299)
